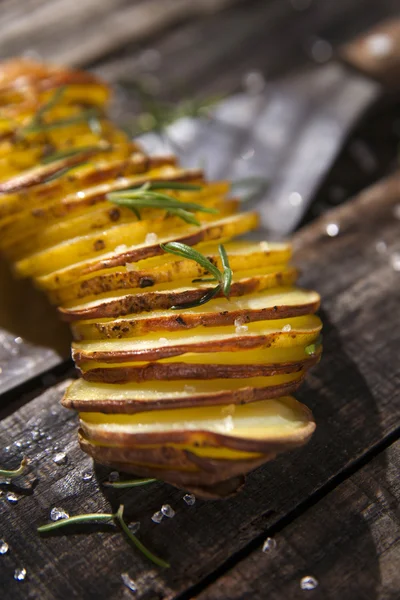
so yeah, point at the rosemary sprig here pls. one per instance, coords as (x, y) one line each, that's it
(128, 483)
(99, 517)
(223, 278)
(156, 115)
(11, 474)
(146, 197)
(312, 349)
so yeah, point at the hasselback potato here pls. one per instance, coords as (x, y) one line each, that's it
(189, 343)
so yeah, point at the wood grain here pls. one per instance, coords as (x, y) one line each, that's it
(354, 394)
(74, 32)
(349, 541)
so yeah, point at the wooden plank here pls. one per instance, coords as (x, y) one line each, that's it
(349, 542)
(32, 338)
(83, 25)
(354, 394)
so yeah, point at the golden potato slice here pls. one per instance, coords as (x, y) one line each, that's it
(222, 229)
(261, 362)
(168, 295)
(254, 427)
(242, 255)
(264, 334)
(269, 304)
(128, 398)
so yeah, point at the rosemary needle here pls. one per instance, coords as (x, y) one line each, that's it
(16, 473)
(128, 483)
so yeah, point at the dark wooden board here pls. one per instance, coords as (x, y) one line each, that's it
(349, 542)
(354, 394)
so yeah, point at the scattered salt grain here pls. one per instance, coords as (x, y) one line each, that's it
(20, 574)
(60, 458)
(131, 267)
(308, 583)
(167, 511)
(128, 582)
(57, 514)
(12, 498)
(269, 545)
(157, 517)
(287, 327)
(190, 499)
(3, 547)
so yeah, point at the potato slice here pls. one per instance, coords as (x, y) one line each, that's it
(261, 362)
(90, 246)
(281, 333)
(168, 295)
(208, 478)
(277, 303)
(255, 427)
(242, 255)
(222, 229)
(129, 398)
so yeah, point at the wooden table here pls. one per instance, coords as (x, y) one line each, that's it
(330, 508)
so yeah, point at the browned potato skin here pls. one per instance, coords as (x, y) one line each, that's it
(39, 174)
(241, 396)
(206, 477)
(182, 322)
(147, 301)
(204, 438)
(183, 370)
(68, 205)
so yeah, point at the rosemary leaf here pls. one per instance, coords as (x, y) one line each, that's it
(227, 274)
(56, 97)
(84, 115)
(11, 474)
(63, 171)
(155, 559)
(73, 152)
(128, 483)
(190, 253)
(88, 518)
